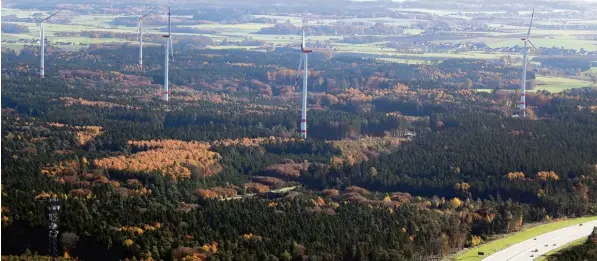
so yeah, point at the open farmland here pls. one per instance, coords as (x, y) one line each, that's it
(558, 84)
(503, 33)
(554, 84)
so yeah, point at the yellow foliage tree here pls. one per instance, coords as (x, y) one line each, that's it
(455, 203)
(476, 240)
(128, 242)
(387, 198)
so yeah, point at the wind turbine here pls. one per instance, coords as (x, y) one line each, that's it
(140, 33)
(167, 56)
(524, 66)
(42, 44)
(304, 59)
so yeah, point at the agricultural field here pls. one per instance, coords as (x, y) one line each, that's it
(553, 84)
(558, 84)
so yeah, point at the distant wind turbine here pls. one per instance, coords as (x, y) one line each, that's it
(304, 59)
(42, 44)
(167, 56)
(140, 34)
(524, 67)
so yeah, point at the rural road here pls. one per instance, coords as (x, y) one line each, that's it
(523, 250)
(281, 190)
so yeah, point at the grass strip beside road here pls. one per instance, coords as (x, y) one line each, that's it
(511, 239)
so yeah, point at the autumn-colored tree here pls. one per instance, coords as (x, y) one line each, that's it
(128, 242)
(171, 157)
(331, 192)
(547, 175)
(387, 198)
(476, 240)
(515, 175)
(455, 203)
(355, 189)
(253, 187)
(462, 186)
(206, 193)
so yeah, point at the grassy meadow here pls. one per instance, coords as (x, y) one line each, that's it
(558, 84)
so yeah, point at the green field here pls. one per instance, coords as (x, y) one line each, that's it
(580, 241)
(21, 13)
(553, 84)
(499, 244)
(558, 84)
(558, 42)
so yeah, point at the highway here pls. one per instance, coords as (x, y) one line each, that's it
(525, 250)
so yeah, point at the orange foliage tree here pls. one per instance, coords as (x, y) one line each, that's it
(173, 158)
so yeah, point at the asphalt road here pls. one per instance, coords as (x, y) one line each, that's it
(524, 251)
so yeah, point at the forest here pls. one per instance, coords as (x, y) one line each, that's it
(402, 162)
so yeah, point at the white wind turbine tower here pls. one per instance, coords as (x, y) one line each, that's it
(42, 44)
(140, 34)
(169, 49)
(304, 59)
(524, 67)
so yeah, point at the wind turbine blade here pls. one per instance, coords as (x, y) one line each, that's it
(171, 48)
(148, 13)
(531, 24)
(170, 33)
(534, 47)
(134, 14)
(53, 14)
(169, 22)
(298, 71)
(303, 40)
